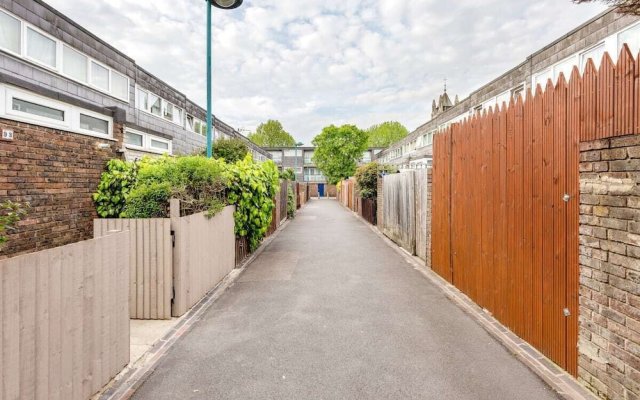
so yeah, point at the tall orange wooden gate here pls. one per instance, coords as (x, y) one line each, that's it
(506, 201)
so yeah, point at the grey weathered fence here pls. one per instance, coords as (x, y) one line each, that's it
(64, 319)
(422, 211)
(399, 222)
(181, 267)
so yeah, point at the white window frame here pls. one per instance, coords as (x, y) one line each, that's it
(58, 68)
(163, 107)
(72, 113)
(146, 142)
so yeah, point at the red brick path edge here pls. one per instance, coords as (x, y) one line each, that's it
(558, 379)
(129, 380)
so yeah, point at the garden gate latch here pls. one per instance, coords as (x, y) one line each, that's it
(173, 238)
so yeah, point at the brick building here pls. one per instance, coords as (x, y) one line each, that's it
(68, 103)
(606, 32)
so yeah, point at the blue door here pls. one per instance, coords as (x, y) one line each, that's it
(321, 189)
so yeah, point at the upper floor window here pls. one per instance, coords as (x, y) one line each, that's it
(153, 104)
(594, 53)
(631, 37)
(10, 33)
(30, 43)
(41, 48)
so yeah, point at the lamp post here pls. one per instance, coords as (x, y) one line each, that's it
(225, 5)
(295, 171)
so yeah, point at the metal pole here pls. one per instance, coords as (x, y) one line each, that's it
(209, 83)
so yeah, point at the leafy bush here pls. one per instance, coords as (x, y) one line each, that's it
(288, 174)
(10, 214)
(114, 187)
(231, 150)
(194, 180)
(291, 201)
(252, 189)
(367, 180)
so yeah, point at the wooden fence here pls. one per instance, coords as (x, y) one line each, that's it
(151, 262)
(399, 222)
(368, 210)
(174, 261)
(505, 200)
(422, 212)
(203, 255)
(65, 320)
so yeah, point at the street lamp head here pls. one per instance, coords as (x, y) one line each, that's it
(299, 144)
(226, 4)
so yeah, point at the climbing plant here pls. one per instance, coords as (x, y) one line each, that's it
(252, 189)
(114, 187)
(291, 201)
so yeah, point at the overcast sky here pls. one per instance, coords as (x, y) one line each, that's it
(311, 63)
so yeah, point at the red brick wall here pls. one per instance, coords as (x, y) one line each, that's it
(56, 172)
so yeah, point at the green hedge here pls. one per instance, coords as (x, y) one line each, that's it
(142, 189)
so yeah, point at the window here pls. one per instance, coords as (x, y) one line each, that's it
(142, 99)
(565, 67)
(41, 48)
(75, 64)
(10, 33)
(119, 85)
(594, 53)
(168, 111)
(308, 157)
(159, 145)
(198, 126)
(155, 104)
(542, 78)
(37, 109)
(177, 115)
(146, 142)
(99, 76)
(632, 38)
(503, 98)
(290, 153)
(94, 124)
(24, 106)
(277, 156)
(133, 139)
(518, 91)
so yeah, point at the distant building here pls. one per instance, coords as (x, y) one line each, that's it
(606, 32)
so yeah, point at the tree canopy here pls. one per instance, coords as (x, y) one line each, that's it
(231, 150)
(272, 134)
(386, 133)
(338, 150)
(631, 7)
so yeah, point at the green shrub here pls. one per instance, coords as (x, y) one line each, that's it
(252, 189)
(291, 201)
(10, 214)
(288, 174)
(149, 200)
(114, 187)
(367, 180)
(230, 150)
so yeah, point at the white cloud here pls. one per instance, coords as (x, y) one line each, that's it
(318, 62)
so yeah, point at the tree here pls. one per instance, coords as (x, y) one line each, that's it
(631, 7)
(231, 150)
(367, 180)
(337, 151)
(386, 133)
(272, 134)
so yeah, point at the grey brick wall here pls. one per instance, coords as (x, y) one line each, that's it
(609, 335)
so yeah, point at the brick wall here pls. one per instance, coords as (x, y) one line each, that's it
(380, 201)
(609, 341)
(56, 172)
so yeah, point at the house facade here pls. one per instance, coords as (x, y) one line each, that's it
(69, 102)
(606, 32)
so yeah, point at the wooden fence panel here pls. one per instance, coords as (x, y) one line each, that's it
(64, 319)
(151, 261)
(506, 200)
(421, 205)
(399, 209)
(203, 255)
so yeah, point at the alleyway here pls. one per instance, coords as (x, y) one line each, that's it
(329, 311)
